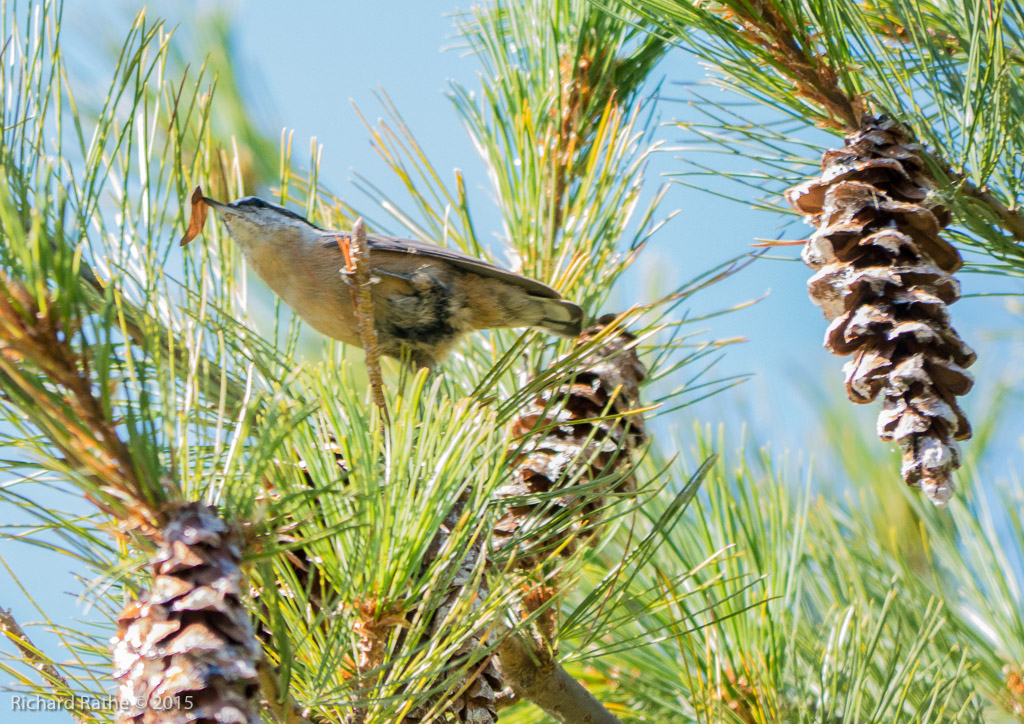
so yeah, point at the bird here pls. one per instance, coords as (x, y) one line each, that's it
(425, 296)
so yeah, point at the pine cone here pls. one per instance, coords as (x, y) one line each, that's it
(476, 701)
(884, 279)
(570, 448)
(185, 651)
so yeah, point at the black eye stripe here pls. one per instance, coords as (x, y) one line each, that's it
(258, 203)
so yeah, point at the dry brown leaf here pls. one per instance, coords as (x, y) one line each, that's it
(197, 217)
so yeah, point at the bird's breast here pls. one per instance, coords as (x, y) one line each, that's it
(310, 283)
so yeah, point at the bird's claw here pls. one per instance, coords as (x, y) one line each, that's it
(347, 277)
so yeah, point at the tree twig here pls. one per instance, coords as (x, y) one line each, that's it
(536, 678)
(357, 271)
(30, 654)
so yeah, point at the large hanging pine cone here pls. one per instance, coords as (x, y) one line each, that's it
(569, 447)
(884, 279)
(185, 652)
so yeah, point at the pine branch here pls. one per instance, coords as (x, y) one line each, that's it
(59, 685)
(763, 24)
(1010, 219)
(536, 678)
(33, 335)
(788, 55)
(234, 393)
(816, 79)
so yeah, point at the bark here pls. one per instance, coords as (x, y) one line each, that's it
(549, 686)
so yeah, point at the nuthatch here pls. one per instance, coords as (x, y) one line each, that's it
(426, 296)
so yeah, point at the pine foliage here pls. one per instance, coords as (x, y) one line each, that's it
(139, 384)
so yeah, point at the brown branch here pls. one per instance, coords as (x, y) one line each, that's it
(357, 272)
(812, 76)
(536, 678)
(30, 655)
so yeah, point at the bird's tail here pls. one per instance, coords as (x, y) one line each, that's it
(560, 317)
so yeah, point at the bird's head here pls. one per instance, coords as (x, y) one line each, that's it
(252, 221)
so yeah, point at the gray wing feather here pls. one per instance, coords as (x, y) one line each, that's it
(382, 242)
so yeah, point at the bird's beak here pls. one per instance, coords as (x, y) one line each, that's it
(227, 211)
(217, 205)
(200, 204)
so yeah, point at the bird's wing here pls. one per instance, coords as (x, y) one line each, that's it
(394, 244)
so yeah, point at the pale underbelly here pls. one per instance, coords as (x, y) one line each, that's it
(328, 311)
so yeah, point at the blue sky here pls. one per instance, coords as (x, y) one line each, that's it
(305, 60)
